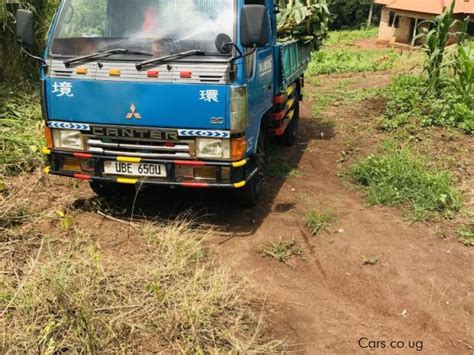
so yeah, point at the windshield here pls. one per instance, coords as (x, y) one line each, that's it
(162, 27)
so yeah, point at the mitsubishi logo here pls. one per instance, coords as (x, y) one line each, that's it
(133, 113)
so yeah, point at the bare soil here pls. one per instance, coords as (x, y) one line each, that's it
(421, 289)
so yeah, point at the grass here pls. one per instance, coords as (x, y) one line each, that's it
(168, 295)
(342, 60)
(21, 130)
(282, 250)
(340, 56)
(399, 177)
(466, 234)
(278, 165)
(318, 222)
(347, 37)
(408, 101)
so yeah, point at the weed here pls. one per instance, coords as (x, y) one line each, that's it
(21, 130)
(397, 176)
(466, 234)
(168, 295)
(282, 250)
(408, 103)
(317, 222)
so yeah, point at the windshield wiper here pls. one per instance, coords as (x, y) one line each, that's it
(169, 57)
(104, 54)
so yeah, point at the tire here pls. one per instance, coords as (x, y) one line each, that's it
(110, 189)
(249, 196)
(290, 136)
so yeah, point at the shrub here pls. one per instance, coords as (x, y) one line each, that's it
(397, 176)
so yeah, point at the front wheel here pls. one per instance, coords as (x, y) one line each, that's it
(251, 193)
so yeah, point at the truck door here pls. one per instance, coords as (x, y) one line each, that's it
(259, 69)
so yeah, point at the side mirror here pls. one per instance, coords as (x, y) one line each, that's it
(25, 27)
(224, 43)
(254, 26)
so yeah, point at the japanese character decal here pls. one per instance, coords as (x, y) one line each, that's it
(62, 89)
(209, 95)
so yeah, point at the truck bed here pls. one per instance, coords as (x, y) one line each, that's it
(292, 59)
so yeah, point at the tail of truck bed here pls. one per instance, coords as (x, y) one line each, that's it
(291, 59)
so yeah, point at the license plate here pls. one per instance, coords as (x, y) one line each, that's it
(134, 169)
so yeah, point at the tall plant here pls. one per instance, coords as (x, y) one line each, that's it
(435, 37)
(462, 66)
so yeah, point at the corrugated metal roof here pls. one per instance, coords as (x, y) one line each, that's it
(434, 7)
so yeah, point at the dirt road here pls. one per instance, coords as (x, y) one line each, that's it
(419, 294)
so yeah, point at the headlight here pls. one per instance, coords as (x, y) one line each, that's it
(213, 148)
(64, 139)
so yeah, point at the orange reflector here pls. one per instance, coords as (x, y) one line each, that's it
(186, 74)
(239, 148)
(49, 137)
(70, 164)
(82, 71)
(205, 172)
(153, 73)
(115, 72)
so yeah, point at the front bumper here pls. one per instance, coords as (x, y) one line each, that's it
(229, 175)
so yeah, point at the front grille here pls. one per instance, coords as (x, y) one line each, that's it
(142, 149)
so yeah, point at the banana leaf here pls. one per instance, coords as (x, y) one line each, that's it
(303, 19)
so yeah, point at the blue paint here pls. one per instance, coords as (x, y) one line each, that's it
(159, 105)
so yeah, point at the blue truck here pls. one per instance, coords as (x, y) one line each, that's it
(182, 93)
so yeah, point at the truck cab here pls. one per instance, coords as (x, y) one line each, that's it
(182, 93)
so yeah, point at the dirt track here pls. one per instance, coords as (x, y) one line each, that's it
(420, 290)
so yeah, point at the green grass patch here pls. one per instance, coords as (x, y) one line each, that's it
(318, 222)
(343, 60)
(282, 250)
(21, 130)
(466, 234)
(347, 37)
(399, 177)
(408, 101)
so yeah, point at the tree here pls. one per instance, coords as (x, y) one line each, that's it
(350, 13)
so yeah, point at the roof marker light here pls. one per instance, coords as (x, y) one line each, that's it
(115, 72)
(186, 74)
(153, 74)
(82, 70)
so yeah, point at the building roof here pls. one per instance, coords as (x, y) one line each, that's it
(435, 7)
